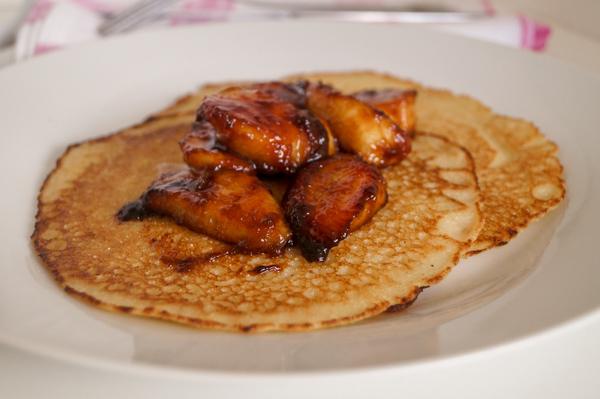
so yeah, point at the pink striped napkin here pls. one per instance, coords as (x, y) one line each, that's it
(55, 24)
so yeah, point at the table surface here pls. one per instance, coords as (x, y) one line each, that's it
(522, 372)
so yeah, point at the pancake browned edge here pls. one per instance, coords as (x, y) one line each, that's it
(429, 222)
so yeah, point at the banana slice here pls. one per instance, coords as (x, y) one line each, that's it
(200, 151)
(398, 104)
(359, 128)
(260, 125)
(234, 207)
(330, 198)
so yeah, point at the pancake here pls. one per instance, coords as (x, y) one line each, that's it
(156, 268)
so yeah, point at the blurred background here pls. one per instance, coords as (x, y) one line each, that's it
(567, 29)
(582, 16)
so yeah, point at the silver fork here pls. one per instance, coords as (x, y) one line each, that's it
(146, 10)
(133, 16)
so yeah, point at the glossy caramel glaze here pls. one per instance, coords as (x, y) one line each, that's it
(234, 207)
(294, 93)
(266, 126)
(359, 128)
(330, 198)
(200, 150)
(398, 104)
(332, 146)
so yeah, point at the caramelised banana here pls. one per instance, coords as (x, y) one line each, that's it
(398, 104)
(296, 93)
(359, 128)
(200, 151)
(283, 132)
(287, 92)
(234, 207)
(330, 198)
(266, 125)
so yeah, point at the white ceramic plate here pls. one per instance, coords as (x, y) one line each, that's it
(544, 280)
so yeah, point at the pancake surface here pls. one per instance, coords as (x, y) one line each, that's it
(159, 269)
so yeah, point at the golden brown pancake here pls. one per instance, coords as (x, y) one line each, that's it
(157, 268)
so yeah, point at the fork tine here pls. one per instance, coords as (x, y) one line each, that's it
(133, 16)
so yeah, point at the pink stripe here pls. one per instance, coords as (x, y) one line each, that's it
(222, 7)
(488, 7)
(44, 48)
(97, 6)
(39, 11)
(534, 35)
(367, 3)
(225, 5)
